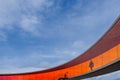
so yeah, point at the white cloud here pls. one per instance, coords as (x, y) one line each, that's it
(21, 64)
(79, 44)
(40, 4)
(35, 55)
(8, 13)
(95, 15)
(30, 24)
(32, 62)
(23, 13)
(72, 51)
(16, 64)
(3, 36)
(19, 70)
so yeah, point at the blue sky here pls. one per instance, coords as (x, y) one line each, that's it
(39, 34)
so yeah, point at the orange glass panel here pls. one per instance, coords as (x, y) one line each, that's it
(70, 72)
(83, 67)
(110, 56)
(79, 69)
(118, 49)
(76, 68)
(97, 62)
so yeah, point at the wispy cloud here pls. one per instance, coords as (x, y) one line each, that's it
(14, 64)
(31, 14)
(37, 60)
(23, 13)
(3, 36)
(30, 24)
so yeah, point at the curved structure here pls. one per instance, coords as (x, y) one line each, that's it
(99, 59)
